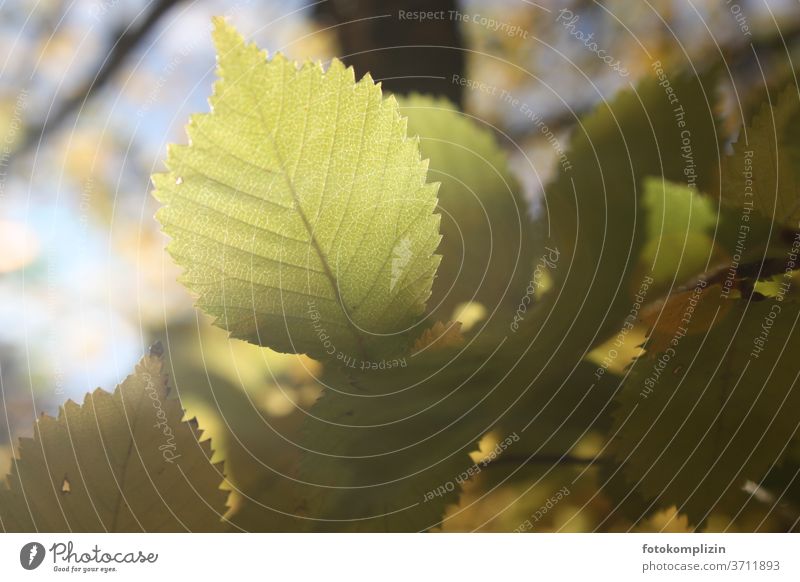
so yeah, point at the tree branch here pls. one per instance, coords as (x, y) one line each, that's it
(406, 55)
(552, 459)
(125, 42)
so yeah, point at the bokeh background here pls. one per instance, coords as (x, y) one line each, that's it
(92, 91)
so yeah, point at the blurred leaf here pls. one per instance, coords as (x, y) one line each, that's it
(555, 417)
(673, 208)
(666, 319)
(763, 173)
(486, 233)
(710, 412)
(594, 210)
(385, 450)
(300, 209)
(679, 225)
(785, 285)
(388, 450)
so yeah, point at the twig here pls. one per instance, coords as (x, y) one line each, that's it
(554, 459)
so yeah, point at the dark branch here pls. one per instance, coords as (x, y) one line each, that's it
(405, 55)
(554, 459)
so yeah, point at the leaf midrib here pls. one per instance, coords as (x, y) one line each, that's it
(298, 207)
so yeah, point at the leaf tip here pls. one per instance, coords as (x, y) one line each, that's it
(223, 30)
(227, 40)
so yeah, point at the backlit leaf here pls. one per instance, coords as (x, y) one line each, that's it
(300, 210)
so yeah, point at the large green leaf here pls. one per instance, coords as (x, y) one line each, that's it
(698, 418)
(300, 210)
(486, 248)
(121, 462)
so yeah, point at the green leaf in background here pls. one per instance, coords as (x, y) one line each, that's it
(697, 419)
(763, 174)
(388, 451)
(680, 222)
(369, 465)
(486, 248)
(300, 210)
(121, 462)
